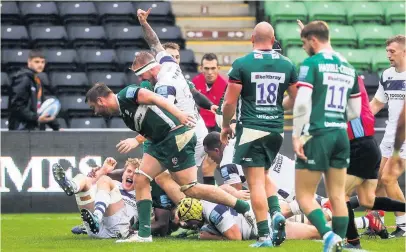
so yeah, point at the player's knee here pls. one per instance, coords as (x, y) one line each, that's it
(388, 179)
(141, 181)
(192, 190)
(162, 178)
(366, 200)
(103, 180)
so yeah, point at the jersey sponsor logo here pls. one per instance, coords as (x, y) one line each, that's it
(398, 96)
(247, 159)
(335, 125)
(311, 161)
(175, 161)
(303, 72)
(267, 117)
(130, 92)
(269, 76)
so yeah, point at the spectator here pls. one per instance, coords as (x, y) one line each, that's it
(212, 85)
(26, 96)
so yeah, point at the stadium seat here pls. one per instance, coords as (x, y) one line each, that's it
(372, 35)
(69, 82)
(10, 14)
(360, 59)
(398, 28)
(364, 12)
(61, 60)
(132, 78)
(394, 12)
(288, 35)
(285, 11)
(5, 82)
(74, 105)
(379, 59)
(296, 55)
(161, 12)
(13, 59)
(4, 103)
(170, 34)
(78, 13)
(187, 61)
(99, 59)
(62, 123)
(13, 36)
(343, 35)
(115, 81)
(117, 123)
(326, 11)
(126, 56)
(48, 36)
(4, 123)
(125, 36)
(87, 36)
(116, 12)
(40, 12)
(87, 123)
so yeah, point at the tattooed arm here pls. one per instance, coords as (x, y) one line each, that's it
(149, 34)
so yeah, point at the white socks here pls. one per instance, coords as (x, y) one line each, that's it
(102, 201)
(400, 222)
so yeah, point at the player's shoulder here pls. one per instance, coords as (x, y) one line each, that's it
(147, 85)
(128, 92)
(388, 73)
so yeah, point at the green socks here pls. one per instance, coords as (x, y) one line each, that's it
(263, 228)
(340, 225)
(273, 204)
(144, 217)
(317, 218)
(241, 206)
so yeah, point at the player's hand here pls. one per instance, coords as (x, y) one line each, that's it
(300, 24)
(45, 118)
(92, 173)
(213, 108)
(187, 120)
(143, 15)
(243, 194)
(226, 134)
(125, 146)
(298, 148)
(109, 164)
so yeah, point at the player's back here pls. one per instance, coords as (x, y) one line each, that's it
(264, 76)
(333, 80)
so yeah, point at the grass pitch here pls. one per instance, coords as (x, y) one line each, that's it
(51, 232)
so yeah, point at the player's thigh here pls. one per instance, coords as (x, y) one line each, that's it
(392, 169)
(255, 176)
(351, 183)
(306, 182)
(150, 165)
(340, 150)
(185, 176)
(334, 180)
(317, 149)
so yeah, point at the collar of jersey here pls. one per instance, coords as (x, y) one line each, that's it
(265, 51)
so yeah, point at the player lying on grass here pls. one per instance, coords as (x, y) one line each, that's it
(218, 222)
(107, 206)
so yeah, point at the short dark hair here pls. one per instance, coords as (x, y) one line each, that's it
(318, 29)
(209, 57)
(171, 45)
(35, 53)
(212, 140)
(400, 39)
(98, 90)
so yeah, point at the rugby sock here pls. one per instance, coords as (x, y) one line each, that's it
(354, 202)
(241, 206)
(263, 228)
(352, 233)
(340, 224)
(361, 222)
(209, 180)
(144, 217)
(400, 222)
(316, 217)
(273, 204)
(387, 204)
(102, 201)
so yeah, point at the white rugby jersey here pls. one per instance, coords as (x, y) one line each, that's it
(392, 90)
(221, 218)
(172, 84)
(282, 172)
(129, 200)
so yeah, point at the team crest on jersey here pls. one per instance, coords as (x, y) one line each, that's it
(303, 72)
(174, 161)
(258, 56)
(130, 92)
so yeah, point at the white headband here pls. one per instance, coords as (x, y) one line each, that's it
(146, 67)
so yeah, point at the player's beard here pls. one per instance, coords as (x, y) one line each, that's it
(311, 51)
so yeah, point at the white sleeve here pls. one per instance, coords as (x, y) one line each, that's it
(354, 108)
(380, 94)
(164, 58)
(221, 218)
(167, 91)
(302, 109)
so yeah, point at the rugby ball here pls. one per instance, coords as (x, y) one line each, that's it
(51, 107)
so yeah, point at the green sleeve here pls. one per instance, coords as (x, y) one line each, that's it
(234, 74)
(355, 89)
(307, 73)
(218, 111)
(293, 75)
(147, 85)
(190, 84)
(128, 94)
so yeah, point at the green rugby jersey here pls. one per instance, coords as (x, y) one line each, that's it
(264, 76)
(333, 81)
(148, 120)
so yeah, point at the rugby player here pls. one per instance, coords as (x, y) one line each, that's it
(218, 222)
(327, 82)
(107, 206)
(392, 90)
(258, 81)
